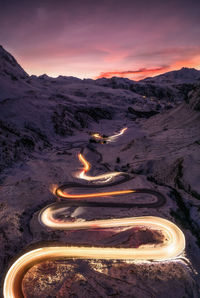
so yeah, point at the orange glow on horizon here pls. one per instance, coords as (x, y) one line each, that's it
(115, 71)
(142, 73)
(134, 74)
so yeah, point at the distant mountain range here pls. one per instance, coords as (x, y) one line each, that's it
(10, 67)
(169, 88)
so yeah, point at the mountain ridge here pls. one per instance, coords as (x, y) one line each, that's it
(182, 73)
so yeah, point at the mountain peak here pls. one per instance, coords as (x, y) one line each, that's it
(183, 75)
(9, 65)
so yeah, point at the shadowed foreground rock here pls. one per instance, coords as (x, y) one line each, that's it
(82, 278)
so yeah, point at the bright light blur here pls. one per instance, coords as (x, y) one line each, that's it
(172, 247)
(82, 175)
(66, 195)
(109, 139)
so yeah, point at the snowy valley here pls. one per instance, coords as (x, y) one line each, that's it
(46, 122)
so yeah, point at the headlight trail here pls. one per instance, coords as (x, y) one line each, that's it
(97, 136)
(170, 249)
(112, 138)
(105, 177)
(115, 136)
(66, 195)
(172, 246)
(60, 193)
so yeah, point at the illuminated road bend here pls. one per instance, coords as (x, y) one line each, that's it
(82, 175)
(113, 138)
(60, 193)
(169, 250)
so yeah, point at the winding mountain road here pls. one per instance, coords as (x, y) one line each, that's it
(172, 246)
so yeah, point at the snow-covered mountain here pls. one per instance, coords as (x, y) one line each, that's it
(9, 66)
(184, 75)
(13, 79)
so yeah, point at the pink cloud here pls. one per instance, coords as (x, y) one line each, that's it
(142, 72)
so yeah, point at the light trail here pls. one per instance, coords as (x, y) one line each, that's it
(172, 246)
(112, 138)
(84, 162)
(98, 136)
(170, 249)
(122, 131)
(66, 195)
(82, 175)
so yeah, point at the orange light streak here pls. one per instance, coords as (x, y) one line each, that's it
(82, 175)
(97, 136)
(93, 195)
(84, 162)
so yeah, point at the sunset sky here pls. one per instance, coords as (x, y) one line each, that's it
(90, 38)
